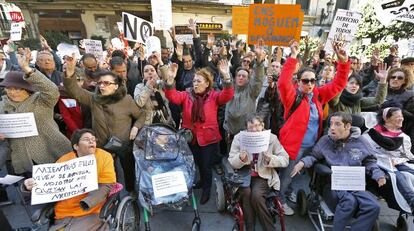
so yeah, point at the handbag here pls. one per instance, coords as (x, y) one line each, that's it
(114, 143)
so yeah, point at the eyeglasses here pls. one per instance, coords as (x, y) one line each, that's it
(307, 81)
(246, 61)
(105, 83)
(89, 140)
(397, 77)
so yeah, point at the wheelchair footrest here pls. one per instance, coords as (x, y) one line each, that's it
(328, 214)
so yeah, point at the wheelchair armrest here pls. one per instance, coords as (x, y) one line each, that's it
(322, 169)
(45, 213)
(107, 207)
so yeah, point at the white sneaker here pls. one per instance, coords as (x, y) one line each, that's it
(288, 210)
(292, 197)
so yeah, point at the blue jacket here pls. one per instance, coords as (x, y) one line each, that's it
(357, 151)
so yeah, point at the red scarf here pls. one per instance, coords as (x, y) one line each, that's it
(385, 132)
(197, 112)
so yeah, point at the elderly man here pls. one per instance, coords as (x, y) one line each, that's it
(45, 63)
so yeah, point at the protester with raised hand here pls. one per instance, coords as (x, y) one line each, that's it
(303, 109)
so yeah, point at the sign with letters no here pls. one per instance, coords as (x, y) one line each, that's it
(136, 29)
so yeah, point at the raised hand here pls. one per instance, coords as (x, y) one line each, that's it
(172, 73)
(179, 50)
(70, 65)
(259, 51)
(294, 49)
(382, 72)
(223, 67)
(192, 26)
(340, 52)
(375, 57)
(158, 56)
(171, 31)
(44, 44)
(24, 60)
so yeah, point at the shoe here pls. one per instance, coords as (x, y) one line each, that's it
(288, 211)
(292, 197)
(197, 185)
(219, 169)
(205, 196)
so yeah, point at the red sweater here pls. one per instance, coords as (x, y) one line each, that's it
(71, 114)
(207, 132)
(293, 131)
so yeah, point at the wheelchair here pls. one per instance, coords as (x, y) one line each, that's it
(228, 198)
(121, 214)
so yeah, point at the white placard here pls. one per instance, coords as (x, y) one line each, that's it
(136, 29)
(168, 183)
(60, 181)
(388, 10)
(184, 38)
(94, 47)
(120, 27)
(348, 178)
(68, 49)
(15, 31)
(117, 44)
(255, 142)
(345, 23)
(18, 125)
(10, 179)
(152, 44)
(161, 14)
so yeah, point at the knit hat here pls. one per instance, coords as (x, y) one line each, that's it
(15, 79)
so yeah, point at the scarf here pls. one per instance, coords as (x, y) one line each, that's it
(387, 143)
(349, 99)
(197, 111)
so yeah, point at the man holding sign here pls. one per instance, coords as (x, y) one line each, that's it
(344, 146)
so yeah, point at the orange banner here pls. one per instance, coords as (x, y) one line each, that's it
(240, 19)
(276, 24)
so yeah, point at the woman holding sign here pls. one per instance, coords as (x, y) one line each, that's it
(261, 174)
(32, 92)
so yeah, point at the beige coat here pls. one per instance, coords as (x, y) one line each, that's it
(279, 159)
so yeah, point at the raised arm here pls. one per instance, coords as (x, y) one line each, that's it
(71, 86)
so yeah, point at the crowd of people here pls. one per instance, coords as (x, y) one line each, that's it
(216, 90)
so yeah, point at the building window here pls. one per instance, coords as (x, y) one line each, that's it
(102, 24)
(304, 5)
(343, 4)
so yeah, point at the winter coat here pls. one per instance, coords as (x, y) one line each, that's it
(293, 131)
(134, 75)
(50, 144)
(401, 96)
(111, 115)
(279, 159)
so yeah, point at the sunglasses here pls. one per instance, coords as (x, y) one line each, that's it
(307, 81)
(104, 83)
(397, 77)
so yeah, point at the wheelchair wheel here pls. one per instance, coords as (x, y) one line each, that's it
(402, 224)
(127, 215)
(302, 203)
(220, 197)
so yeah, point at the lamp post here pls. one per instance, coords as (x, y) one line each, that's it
(329, 7)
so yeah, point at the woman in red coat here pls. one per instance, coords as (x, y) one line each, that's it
(200, 104)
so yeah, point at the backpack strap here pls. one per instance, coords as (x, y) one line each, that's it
(298, 99)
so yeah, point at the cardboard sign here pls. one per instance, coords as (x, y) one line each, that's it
(60, 181)
(276, 24)
(240, 20)
(348, 178)
(94, 47)
(255, 142)
(168, 183)
(161, 14)
(390, 10)
(152, 44)
(136, 29)
(68, 49)
(15, 32)
(345, 24)
(18, 125)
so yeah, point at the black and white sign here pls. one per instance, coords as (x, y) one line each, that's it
(136, 29)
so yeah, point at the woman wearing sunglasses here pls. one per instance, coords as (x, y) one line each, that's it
(399, 80)
(303, 126)
(113, 114)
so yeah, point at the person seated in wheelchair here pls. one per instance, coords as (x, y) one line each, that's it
(392, 147)
(344, 146)
(262, 175)
(82, 212)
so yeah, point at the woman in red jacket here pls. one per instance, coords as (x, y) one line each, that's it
(200, 104)
(304, 125)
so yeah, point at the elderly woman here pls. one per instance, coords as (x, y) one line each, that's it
(262, 174)
(82, 212)
(399, 81)
(150, 96)
(392, 146)
(113, 114)
(200, 105)
(32, 92)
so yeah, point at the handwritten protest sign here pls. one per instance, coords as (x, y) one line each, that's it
(15, 31)
(68, 49)
(161, 14)
(240, 20)
(60, 181)
(276, 24)
(255, 142)
(136, 29)
(400, 10)
(183, 34)
(18, 125)
(348, 178)
(168, 183)
(153, 44)
(10, 179)
(94, 47)
(345, 24)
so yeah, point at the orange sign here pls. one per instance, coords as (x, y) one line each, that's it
(276, 24)
(240, 19)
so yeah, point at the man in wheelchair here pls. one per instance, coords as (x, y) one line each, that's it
(262, 175)
(82, 212)
(344, 146)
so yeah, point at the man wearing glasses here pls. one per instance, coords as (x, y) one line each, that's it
(303, 111)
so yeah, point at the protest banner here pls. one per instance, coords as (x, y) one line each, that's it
(94, 47)
(161, 14)
(15, 32)
(168, 183)
(18, 125)
(348, 178)
(255, 142)
(276, 24)
(389, 10)
(10, 179)
(117, 44)
(345, 25)
(240, 20)
(183, 34)
(60, 181)
(136, 29)
(64, 49)
(153, 44)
